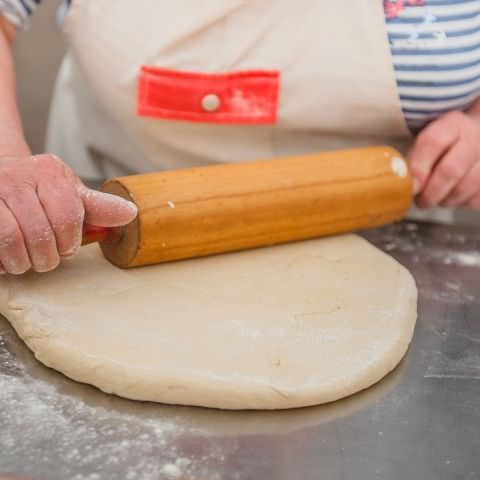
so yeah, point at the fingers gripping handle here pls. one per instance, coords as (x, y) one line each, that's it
(93, 233)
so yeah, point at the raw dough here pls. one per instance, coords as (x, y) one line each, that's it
(279, 327)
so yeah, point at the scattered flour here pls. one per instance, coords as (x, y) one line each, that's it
(51, 430)
(464, 259)
(405, 238)
(175, 470)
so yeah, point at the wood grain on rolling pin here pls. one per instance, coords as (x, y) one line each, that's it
(202, 211)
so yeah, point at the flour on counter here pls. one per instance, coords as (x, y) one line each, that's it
(464, 259)
(99, 441)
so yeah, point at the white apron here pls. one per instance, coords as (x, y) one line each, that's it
(337, 85)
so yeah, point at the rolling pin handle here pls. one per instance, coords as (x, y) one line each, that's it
(93, 233)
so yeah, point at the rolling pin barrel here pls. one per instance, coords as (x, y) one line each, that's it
(207, 210)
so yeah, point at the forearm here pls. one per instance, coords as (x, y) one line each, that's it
(474, 110)
(12, 140)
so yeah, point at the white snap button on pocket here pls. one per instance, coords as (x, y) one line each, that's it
(210, 102)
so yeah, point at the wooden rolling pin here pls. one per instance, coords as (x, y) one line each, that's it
(207, 210)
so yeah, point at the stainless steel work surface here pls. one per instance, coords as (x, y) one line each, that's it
(421, 422)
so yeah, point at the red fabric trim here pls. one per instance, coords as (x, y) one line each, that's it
(246, 97)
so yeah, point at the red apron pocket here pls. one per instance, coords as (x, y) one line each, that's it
(244, 97)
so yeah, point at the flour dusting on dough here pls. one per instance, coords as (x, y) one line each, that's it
(259, 329)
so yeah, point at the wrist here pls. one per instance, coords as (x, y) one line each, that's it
(474, 110)
(14, 149)
(7, 28)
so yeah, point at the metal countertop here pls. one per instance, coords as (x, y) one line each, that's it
(420, 422)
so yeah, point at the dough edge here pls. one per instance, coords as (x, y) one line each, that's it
(183, 389)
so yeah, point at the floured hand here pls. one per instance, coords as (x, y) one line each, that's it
(43, 206)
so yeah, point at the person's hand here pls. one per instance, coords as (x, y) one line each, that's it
(43, 205)
(445, 162)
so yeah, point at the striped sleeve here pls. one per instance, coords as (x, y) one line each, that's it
(435, 47)
(18, 11)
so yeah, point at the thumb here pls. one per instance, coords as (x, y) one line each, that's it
(106, 210)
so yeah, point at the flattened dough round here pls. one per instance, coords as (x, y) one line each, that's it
(279, 327)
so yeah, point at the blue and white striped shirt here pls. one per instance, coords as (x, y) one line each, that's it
(435, 47)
